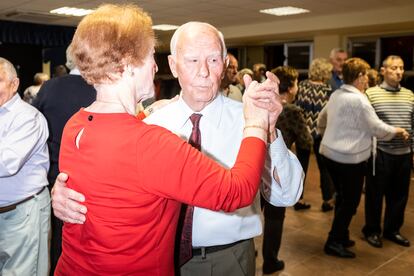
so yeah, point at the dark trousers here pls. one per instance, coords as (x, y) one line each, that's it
(326, 184)
(348, 180)
(392, 180)
(272, 232)
(55, 243)
(56, 225)
(303, 157)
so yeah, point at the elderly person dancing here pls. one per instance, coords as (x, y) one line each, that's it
(349, 122)
(133, 175)
(313, 94)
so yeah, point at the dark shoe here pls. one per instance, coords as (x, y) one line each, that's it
(326, 207)
(348, 243)
(272, 266)
(301, 206)
(398, 239)
(338, 250)
(374, 240)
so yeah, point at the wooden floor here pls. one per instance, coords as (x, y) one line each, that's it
(305, 233)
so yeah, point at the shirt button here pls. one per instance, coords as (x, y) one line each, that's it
(90, 117)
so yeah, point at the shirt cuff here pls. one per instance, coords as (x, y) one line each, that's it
(278, 150)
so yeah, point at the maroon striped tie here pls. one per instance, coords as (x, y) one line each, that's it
(186, 234)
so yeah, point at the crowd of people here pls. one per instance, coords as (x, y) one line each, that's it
(178, 188)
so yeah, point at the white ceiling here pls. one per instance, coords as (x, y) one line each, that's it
(224, 14)
(220, 13)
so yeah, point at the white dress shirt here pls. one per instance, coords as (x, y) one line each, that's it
(221, 128)
(24, 157)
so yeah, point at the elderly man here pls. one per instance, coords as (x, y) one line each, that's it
(391, 177)
(222, 242)
(230, 78)
(24, 200)
(337, 57)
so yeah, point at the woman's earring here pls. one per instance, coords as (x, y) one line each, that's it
(130, 71)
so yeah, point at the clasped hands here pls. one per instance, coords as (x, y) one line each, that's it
(262, 103)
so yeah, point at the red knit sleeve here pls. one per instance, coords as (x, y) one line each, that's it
(141, 116)
(175, 170)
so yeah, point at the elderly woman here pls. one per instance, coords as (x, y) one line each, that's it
(349, 122)
(133, 175)
(313, 94)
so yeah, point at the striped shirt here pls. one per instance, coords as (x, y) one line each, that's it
(394, 107)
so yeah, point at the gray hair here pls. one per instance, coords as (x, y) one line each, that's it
(8, 68)
(192, 24)
(245, 71)
(334, 51)
(389, 58)
(320, 70)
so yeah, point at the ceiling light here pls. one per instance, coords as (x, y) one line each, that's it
(165, 27)
(71, 11)
(284, 11)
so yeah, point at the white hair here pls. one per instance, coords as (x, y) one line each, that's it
(335, 51)
(190, 25)
(8, 68)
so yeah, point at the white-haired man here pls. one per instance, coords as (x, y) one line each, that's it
(222, 242)
(337, 57)
(24, 200)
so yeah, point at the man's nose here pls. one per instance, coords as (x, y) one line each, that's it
(203, 69)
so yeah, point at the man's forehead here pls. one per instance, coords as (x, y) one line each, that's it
(394, 62)
(203, 38)
(341, 55)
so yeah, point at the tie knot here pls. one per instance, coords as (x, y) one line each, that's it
(195, 119)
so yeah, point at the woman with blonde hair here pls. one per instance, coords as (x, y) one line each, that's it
(134, 175)
(313, 94)
(348, 122)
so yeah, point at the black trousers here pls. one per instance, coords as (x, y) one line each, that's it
(392, 180)
(56, 225)
(303, 157)
(348, 180)
(327, 187)
(272, 232)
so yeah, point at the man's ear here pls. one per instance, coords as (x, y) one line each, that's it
(15, 84)
(225, 64)
(382, 70)
(173, 65)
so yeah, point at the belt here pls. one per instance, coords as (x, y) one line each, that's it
(14, 205)
(211, 249)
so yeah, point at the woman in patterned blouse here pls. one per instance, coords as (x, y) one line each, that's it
(312, 96)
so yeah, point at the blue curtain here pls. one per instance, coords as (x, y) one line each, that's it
(35, 34)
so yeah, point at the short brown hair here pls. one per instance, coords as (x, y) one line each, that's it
(110, 38)
(287, 76)
(320, 70)
(352, 69)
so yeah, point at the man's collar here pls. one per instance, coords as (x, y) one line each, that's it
(9, 104)
(74, 71)
(212, 112)
(387, 87)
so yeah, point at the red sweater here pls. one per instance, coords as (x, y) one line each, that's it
(134, 177)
